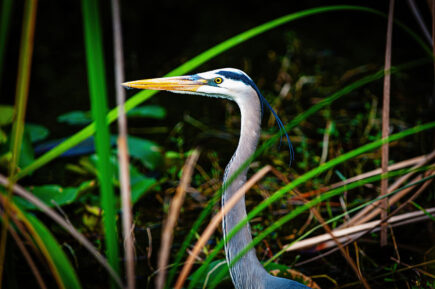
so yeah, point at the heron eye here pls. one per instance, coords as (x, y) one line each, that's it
(218, 80)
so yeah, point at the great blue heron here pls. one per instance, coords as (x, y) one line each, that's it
(234, 85)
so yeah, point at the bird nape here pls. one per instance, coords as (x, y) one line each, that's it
(235, 85)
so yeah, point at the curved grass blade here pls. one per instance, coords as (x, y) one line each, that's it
(302, 179)
(57, 261)
(5, 20)
(20, 191)
(22, 90)
(98, 96)
(357, 208)
(66, 272)
(321, 198)
(197, 61)
(298, 119)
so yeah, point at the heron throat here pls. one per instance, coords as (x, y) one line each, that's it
(247, 272)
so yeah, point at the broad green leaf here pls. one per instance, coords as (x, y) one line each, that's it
(76, 117)
(36, 132)
(150, 111)
(6, 114)
(53, 195)
(27, 155)
(145, 151)
(61, 262)
(140, 184)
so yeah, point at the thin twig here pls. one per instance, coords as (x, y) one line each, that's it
(123, 156)
(350, 233)
(390, 273)
(375, 172)
(342, 248)
(174, 212)
(325, 143)
(357, 219)
(386, 121)
(214, 223)
(28, 258)
(417, 269)
(20, 191)
(392, 200)
(418, 17)
(433, 30)
(348, 239)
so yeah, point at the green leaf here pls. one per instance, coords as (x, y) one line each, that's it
(146, 151)
(99, 108)
(76, 117)
(150, 111)
(6, 114)
(140, 184)
(3, 137)
(37, 132)
(53, 195)
(61, 262)
(27, 155)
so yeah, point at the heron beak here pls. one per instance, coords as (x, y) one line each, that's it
(180, 83)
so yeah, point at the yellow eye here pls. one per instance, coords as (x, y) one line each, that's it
(218, 80)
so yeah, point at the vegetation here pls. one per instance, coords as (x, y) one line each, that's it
(61, 180)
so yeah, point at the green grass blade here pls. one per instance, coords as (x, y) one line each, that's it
(357, 208)
(321, 198)
(296, 121)
(66, 272)
(192, 64)
(98, 96)
(302, 179)
(22, 89)
(5, 20)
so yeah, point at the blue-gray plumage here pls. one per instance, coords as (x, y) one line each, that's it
(235, 85)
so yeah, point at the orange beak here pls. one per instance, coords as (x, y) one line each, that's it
(180, 83)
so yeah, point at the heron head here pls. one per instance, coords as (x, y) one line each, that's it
(226, 83)
(229, 83)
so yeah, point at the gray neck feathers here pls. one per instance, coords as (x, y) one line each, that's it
(247, 272)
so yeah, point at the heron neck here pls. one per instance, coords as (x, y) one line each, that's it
(247, 272)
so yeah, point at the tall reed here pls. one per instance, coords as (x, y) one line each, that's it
(98, 97)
